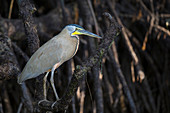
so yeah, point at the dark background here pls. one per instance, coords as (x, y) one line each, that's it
(144, 62)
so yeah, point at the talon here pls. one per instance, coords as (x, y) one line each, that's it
(41, 101)
(52, 106)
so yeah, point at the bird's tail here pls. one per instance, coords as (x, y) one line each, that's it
(25, 76)
(20, 79)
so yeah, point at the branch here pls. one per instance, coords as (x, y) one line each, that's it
(162, 29)
(9, 67)
(86, 66)
(26, 9)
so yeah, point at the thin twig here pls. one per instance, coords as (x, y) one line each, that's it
(144, 6)
(164, 15)
(10, 9)
(162, 29)
(94, 17)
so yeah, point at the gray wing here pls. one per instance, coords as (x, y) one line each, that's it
(42, 60)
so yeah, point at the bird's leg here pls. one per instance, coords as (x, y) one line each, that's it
(44, 85)
(52, 80)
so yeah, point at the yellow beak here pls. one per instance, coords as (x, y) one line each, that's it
(84, 32)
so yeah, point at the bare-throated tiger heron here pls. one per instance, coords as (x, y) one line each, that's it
(53, 53)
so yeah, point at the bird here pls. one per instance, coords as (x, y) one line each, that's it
(54, 53)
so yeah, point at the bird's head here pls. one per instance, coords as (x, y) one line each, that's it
(75, 30)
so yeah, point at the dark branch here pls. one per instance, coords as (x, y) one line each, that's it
(26, 9)
(9, 67)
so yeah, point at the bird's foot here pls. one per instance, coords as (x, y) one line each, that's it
(52, 106)
(42, 101)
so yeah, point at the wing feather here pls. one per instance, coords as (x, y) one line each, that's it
(39, 62)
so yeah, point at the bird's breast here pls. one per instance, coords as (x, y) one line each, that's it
(69, 47)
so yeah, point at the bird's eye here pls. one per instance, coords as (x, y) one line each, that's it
(78, 29)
